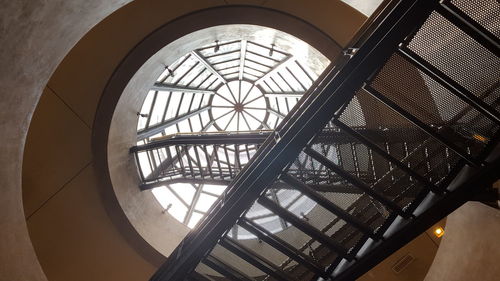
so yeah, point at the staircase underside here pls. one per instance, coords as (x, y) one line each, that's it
(395, 136)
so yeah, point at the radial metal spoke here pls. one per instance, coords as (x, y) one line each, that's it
(254, 99)
(230, 120)
(232, 94)
(223, 115)
(222, 106)
(258, 120)
(255, 108)
(179, 89)
(248, 92)
(238, 121)
(224, 98)
(246, 121)
(210, 68)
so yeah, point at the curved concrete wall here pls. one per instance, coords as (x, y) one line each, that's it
(69, 226)
(470, 249)
(35, 36)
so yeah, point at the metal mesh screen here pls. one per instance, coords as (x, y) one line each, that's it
(456, 54)
(484, 12)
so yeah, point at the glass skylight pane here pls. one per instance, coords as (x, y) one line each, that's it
(224, 47)
(155, 158)
(260, 59)
(184, 126)
(169, 201)
(272, 85)
(282, 85)
(271, 120)
(208, 82)
(265, 51)
(308, 72)
(257, 66)
(183, 70)
(300, 75)
(296, 87)
(254, 72)
(257, 211)
(214, 189)
(195, 218)
(184, 190)
(173, 105)
(174, 68)
(231, 76)
(205, 202)
(292, 102)
(202, 77)
(195, 123)
(159, 107)
(144, 162)
(170, 130)
(188, 79)
(250, 77)
(223, 58)
(186, 103)
(205, 118)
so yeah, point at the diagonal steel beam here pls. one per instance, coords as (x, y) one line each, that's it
(284, 95)
(275, 69)
(278, 114)
(444, 206)
(153, 130)
(179, 89)
(207, 64)
(243, 53)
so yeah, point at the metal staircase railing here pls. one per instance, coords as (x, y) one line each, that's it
(408, 73)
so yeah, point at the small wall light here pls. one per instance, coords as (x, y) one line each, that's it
(438, 231)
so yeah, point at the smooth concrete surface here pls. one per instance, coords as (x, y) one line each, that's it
(75, 239)
(56, 153)
(35, 36)
(68, 221)
(470, 249)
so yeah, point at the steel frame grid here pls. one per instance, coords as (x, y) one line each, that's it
(180, 87)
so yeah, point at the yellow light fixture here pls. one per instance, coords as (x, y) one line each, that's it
(480, 138)
(438, 231)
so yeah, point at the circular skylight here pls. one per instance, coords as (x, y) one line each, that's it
(237, 106)
(207, 114)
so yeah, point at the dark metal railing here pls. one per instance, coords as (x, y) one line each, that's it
(400, 185)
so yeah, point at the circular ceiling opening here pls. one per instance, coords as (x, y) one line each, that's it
(207, 113)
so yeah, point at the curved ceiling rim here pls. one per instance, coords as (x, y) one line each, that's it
(153, 42)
